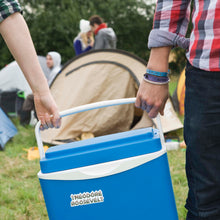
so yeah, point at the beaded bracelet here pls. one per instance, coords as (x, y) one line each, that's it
(156, 73)
(156, 80)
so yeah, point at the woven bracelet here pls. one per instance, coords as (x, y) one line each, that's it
(156, 73)
(156, 80)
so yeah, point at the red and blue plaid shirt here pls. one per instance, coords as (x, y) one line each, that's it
(170, 25)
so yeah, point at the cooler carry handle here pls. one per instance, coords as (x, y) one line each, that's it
(91, 106)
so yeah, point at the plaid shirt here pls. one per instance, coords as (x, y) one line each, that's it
(170, 25)
(8, 7)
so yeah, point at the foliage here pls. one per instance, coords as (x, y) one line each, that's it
(54, 24)
(179, 61)
(5, 55)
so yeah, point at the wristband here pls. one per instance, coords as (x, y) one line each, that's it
(156, 80)
(156, 73)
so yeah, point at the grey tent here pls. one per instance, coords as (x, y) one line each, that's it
(11, 77)
(12, 81)
(95, 76)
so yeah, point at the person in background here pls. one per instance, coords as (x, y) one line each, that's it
(202, 98)
(15, 32)
(53, 60)
(105, 37)
(84, 40)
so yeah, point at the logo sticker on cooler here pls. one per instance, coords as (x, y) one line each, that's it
(86, 198)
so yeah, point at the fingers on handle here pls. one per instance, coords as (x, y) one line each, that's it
(138, 102)
(56, 120)
(153, 112)
(151, 108)
(157, 108)
(43, 125)
(50, 121)
(162, 109)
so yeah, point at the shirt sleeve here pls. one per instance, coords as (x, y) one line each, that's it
(170, 24)
(99, 41)
(87, 49)
(78, 47)
(8, 7)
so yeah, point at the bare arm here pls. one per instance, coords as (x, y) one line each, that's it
(16, 34)
(150, 94)
(168, 31)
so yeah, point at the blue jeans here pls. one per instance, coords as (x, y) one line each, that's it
(202, 137)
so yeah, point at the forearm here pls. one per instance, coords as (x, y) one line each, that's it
(15, 32)
(170, 24)
(17, 37)
(152, 97)
(158, 60)
(87, 49)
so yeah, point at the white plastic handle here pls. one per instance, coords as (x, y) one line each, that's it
(87, 107)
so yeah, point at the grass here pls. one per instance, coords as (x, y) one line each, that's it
(173, 83)
(177, 170)
(20, 192)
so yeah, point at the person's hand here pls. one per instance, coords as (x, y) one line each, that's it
(152, 98)
(47, 111)
(91, 44)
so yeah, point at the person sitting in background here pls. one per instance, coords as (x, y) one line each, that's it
(105, 37)
(53, 60)
(84, 40)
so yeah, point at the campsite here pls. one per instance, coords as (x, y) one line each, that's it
(18, 168)
(21, 196)
(118, 139)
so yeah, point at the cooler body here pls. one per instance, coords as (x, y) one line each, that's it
(119, 176)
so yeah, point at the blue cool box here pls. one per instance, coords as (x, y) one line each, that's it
(118, 176)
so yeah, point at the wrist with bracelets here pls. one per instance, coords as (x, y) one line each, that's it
(155, 77)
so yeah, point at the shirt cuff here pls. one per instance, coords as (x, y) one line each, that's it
(160, 38)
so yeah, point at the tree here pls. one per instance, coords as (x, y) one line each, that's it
(5, 55)
(54, 24)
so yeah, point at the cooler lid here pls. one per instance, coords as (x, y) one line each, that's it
(101, 149)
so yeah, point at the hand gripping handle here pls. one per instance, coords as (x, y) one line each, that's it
(87, 107)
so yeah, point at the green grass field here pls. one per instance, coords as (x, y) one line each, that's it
(20, 192)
